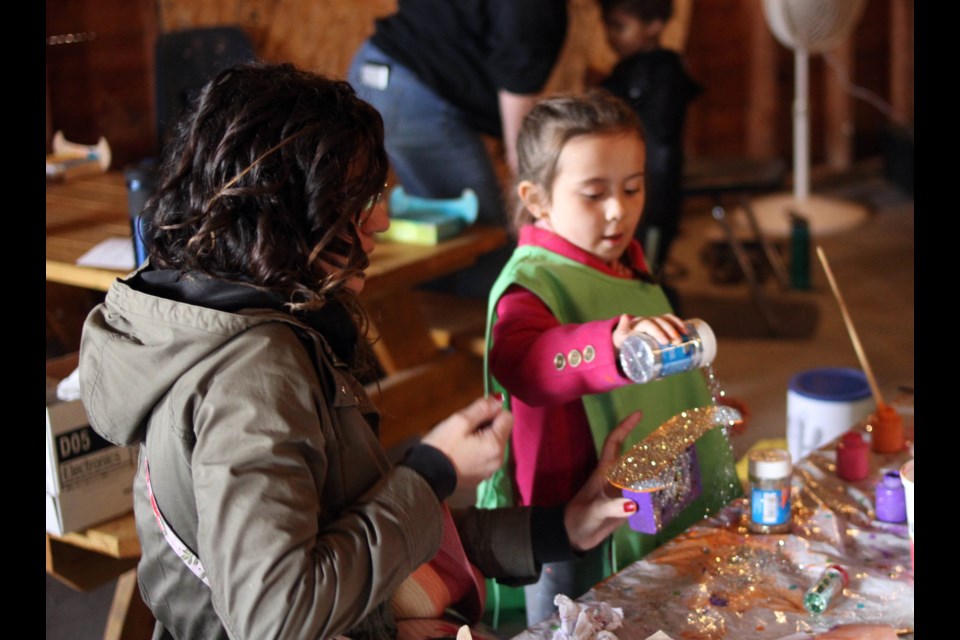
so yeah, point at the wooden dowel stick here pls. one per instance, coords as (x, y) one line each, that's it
(850, 329)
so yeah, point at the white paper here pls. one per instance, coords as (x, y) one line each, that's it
(112, 253)
(659, 635)
(69, 388)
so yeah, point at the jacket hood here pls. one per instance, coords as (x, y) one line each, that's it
(136, 344)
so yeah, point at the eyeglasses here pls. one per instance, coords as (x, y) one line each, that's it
(371, 204)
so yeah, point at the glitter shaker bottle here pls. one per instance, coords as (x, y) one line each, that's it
(643, 358)
(769, 474)
(833, 581)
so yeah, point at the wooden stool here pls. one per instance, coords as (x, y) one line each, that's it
(85, 560)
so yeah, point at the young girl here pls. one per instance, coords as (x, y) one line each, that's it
(575, 288)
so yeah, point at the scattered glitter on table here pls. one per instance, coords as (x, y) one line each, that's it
(719, 581)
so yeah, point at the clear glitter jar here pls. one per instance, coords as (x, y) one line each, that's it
(642, 358)
(769, 474)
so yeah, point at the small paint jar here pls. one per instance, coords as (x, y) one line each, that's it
(891, 501)
(853, 457)
(768, 472)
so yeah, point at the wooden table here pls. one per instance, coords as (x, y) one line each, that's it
(423, 383)
(718, 581)
(83, 212)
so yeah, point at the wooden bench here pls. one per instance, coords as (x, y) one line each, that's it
(455, 322)
(414, 399)
(109, 551)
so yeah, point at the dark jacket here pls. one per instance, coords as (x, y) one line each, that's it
(468, 50)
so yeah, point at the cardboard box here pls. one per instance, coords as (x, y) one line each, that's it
(88, 479)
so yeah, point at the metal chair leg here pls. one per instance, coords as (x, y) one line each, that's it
(773, 256)
(720, 215)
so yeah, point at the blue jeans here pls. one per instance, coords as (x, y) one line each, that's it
(434, 153)
(572, 578)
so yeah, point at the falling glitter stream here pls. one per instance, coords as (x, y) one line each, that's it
(716, 394)
(713, 384)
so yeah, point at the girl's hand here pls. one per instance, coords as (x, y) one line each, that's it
(598, 508)
(474, 439)
(664, 329)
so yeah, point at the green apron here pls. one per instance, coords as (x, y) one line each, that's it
(576, 293)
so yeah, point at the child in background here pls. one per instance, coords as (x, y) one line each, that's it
(576, 286)
(655, 82)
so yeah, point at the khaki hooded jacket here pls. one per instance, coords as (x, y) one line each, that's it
(264, 460)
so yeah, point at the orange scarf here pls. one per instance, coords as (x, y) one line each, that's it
(449, 580)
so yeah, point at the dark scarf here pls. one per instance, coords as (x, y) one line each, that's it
(333, 320)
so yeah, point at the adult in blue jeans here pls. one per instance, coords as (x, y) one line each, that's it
(446, 74)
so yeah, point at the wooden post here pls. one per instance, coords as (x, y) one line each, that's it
(129, 617)
(763, 100)
(46, 86)
(901, 60)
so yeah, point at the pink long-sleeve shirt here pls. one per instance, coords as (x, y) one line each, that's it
(552, 443)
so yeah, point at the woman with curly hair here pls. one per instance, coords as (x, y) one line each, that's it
(264, 504)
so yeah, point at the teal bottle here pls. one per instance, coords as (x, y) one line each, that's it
(799, 252)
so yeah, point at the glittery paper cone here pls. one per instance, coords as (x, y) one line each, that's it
(649, 465)
(655, 509)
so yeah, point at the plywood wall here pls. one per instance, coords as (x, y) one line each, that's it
(99, 74)
(322, 35)
(746, 109)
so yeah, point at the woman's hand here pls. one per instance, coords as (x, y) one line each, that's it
(859, 632)
(598, 508)
(474, 439)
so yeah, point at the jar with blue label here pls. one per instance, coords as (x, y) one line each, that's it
(643, 359)
(769, 474)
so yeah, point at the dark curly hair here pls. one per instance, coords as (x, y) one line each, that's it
(263, 182)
